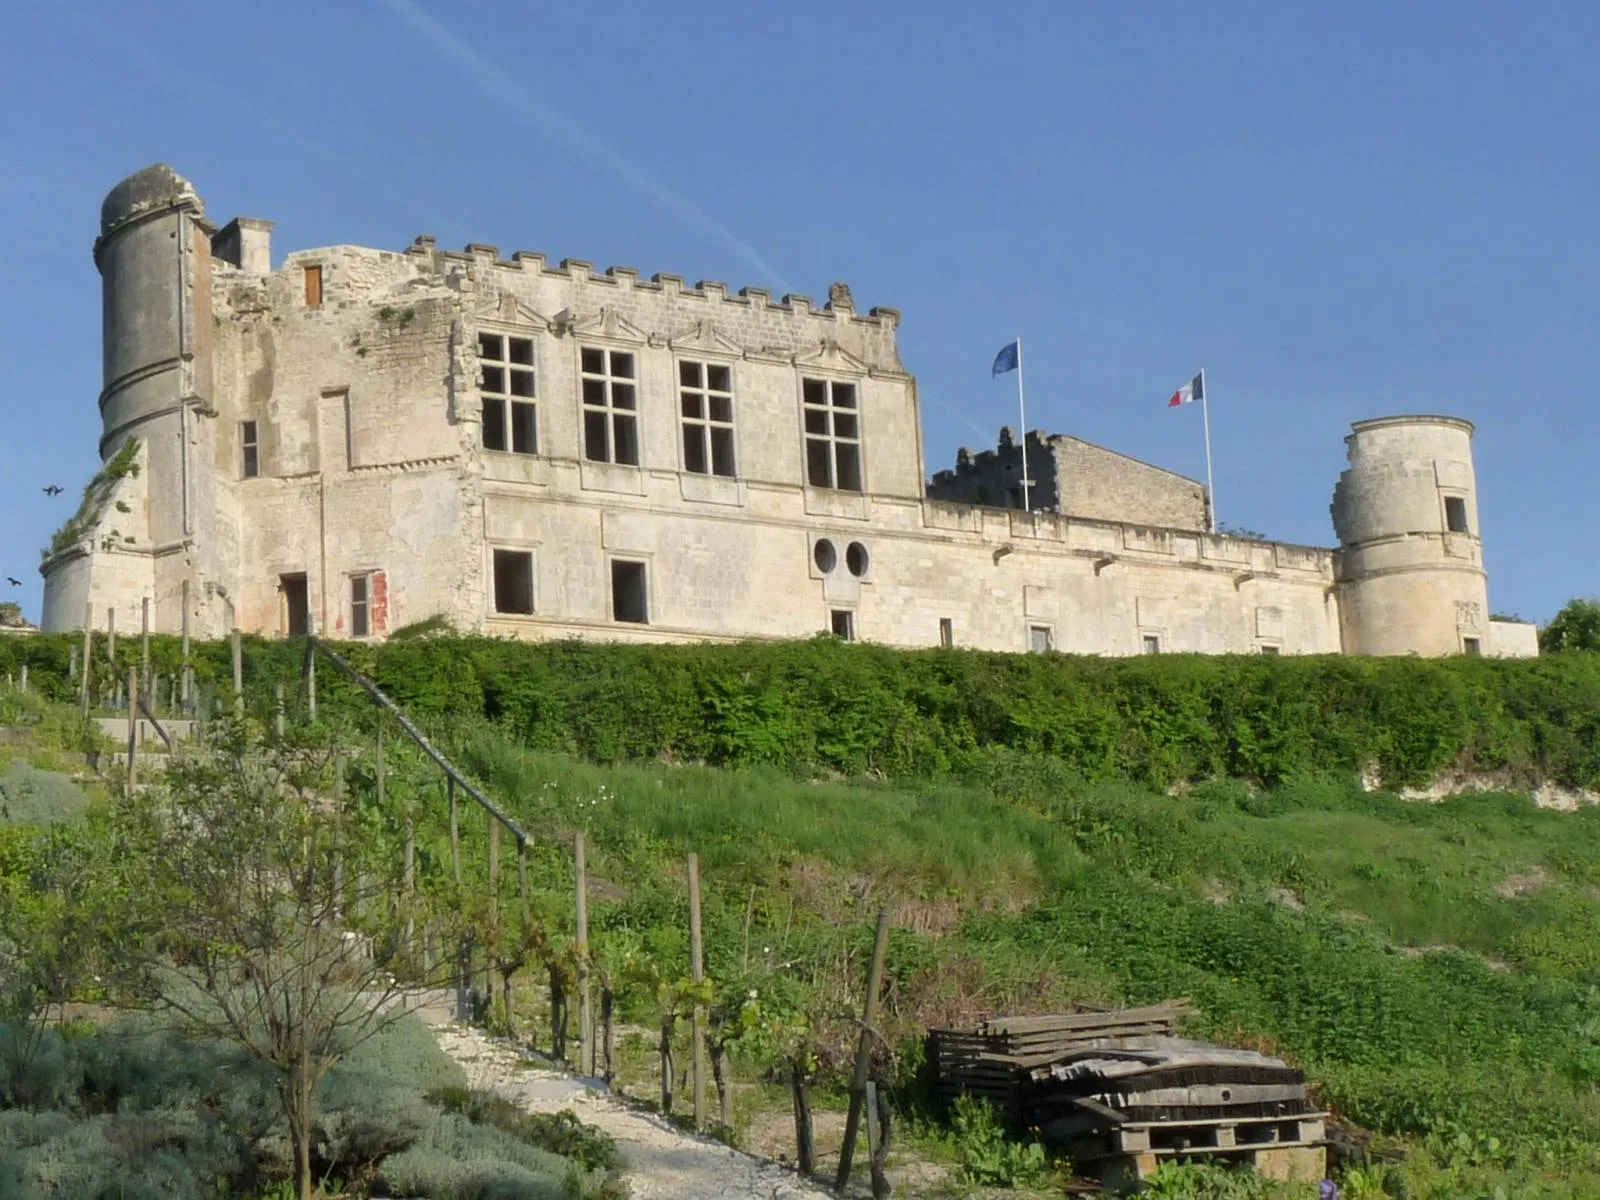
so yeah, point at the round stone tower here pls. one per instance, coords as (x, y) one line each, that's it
(1409, 568)
(154, 256)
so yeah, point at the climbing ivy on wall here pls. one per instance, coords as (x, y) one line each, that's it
(96, 495)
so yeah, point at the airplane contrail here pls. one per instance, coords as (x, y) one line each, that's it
(534, 110)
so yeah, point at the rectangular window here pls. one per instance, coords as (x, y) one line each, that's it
(313, 287)
(1455, 514)
(947, 633)
(1040, 640)
(506, 383)
(833, 434)
(252, 449)
(844, 624)
(1471, 647)
(629, 597)
(1270, 651)
(513, 582)
(610, 406)
(360, 624)
(1152, 644)
(705, 393)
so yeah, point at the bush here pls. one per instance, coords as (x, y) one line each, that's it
(822, 706)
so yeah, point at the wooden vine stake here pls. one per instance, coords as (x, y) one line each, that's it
(88, 658)
(869, 1017)
(133, 726)
(697, 973)
(238, 672)
(586, 1055)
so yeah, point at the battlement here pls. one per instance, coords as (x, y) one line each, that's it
(840, 303)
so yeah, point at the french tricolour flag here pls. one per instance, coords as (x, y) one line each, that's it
(1194, 390)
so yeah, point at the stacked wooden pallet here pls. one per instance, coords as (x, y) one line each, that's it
(1119, 1091)
(993, 1059)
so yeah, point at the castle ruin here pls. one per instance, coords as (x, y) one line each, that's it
(354, 440)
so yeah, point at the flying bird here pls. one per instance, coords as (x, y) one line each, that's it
(13, 582)
(52, 490)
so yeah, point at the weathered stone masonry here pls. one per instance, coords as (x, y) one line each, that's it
(359, 439)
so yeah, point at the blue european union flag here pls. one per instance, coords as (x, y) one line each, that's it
(1005, 361)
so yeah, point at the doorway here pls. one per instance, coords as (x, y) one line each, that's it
(295, 609)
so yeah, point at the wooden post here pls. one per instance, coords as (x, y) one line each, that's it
(869, 1016)
(586, 1056)
(522, 880)
(455, 829)
(186, 681)
(24, 680)
(88, 658)
(111, 635)
(494, 872)
(697, 973)
(805, 1148)
(311, 671)
(144, 647)
(238, 673)
(277, 725)
(877, 1141)
(408, 876)
(72, 663)
(133, 726)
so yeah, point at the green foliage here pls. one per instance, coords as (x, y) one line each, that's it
(559, 1132)
(97, 494)
(29, 796)
(1210, 1181)
(1575, 627)
(10, 613)
(986, 1156)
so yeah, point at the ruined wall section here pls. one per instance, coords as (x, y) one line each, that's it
(1077, 478)
(363, 468)
(1103, 485)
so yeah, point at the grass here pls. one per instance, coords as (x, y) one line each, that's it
(1435, 967)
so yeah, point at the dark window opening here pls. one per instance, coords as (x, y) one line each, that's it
(494, 424)
(252, 449)
(524, 439)
(844, 624)
(824, 555)
(706, 401)
(857, 559)
(313, 286)
(506, 382)
(629, 601)
(296, 607)
(1471, 647)
(513, 582)
(359, 623)
(1040, 640)
(833, 434)
(1270, 651)
(947, 633)
(1455, 514)
(610, 426)
(1152, 644)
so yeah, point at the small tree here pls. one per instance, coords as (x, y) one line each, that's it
(271, 915)
(1575, 627)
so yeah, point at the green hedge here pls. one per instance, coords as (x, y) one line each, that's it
(822, 706)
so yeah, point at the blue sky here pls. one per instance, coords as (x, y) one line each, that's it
(1340, 211)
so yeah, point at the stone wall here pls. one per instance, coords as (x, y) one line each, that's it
(359, 369)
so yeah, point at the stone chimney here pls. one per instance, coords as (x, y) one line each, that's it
(246, 242)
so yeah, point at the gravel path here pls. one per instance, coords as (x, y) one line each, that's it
(664, 1162)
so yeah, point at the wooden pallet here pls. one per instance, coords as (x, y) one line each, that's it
(1298, 1164)
(1199, 1136)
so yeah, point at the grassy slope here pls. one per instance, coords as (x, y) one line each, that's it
(1433, 965)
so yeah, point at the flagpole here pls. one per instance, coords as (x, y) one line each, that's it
(1022, 416)
(1205, 413)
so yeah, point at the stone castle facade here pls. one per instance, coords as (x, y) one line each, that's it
(355, 439)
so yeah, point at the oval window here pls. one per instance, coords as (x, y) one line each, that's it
(824, 555)
(855, 557)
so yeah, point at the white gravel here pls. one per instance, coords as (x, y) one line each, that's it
(664, 1162)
